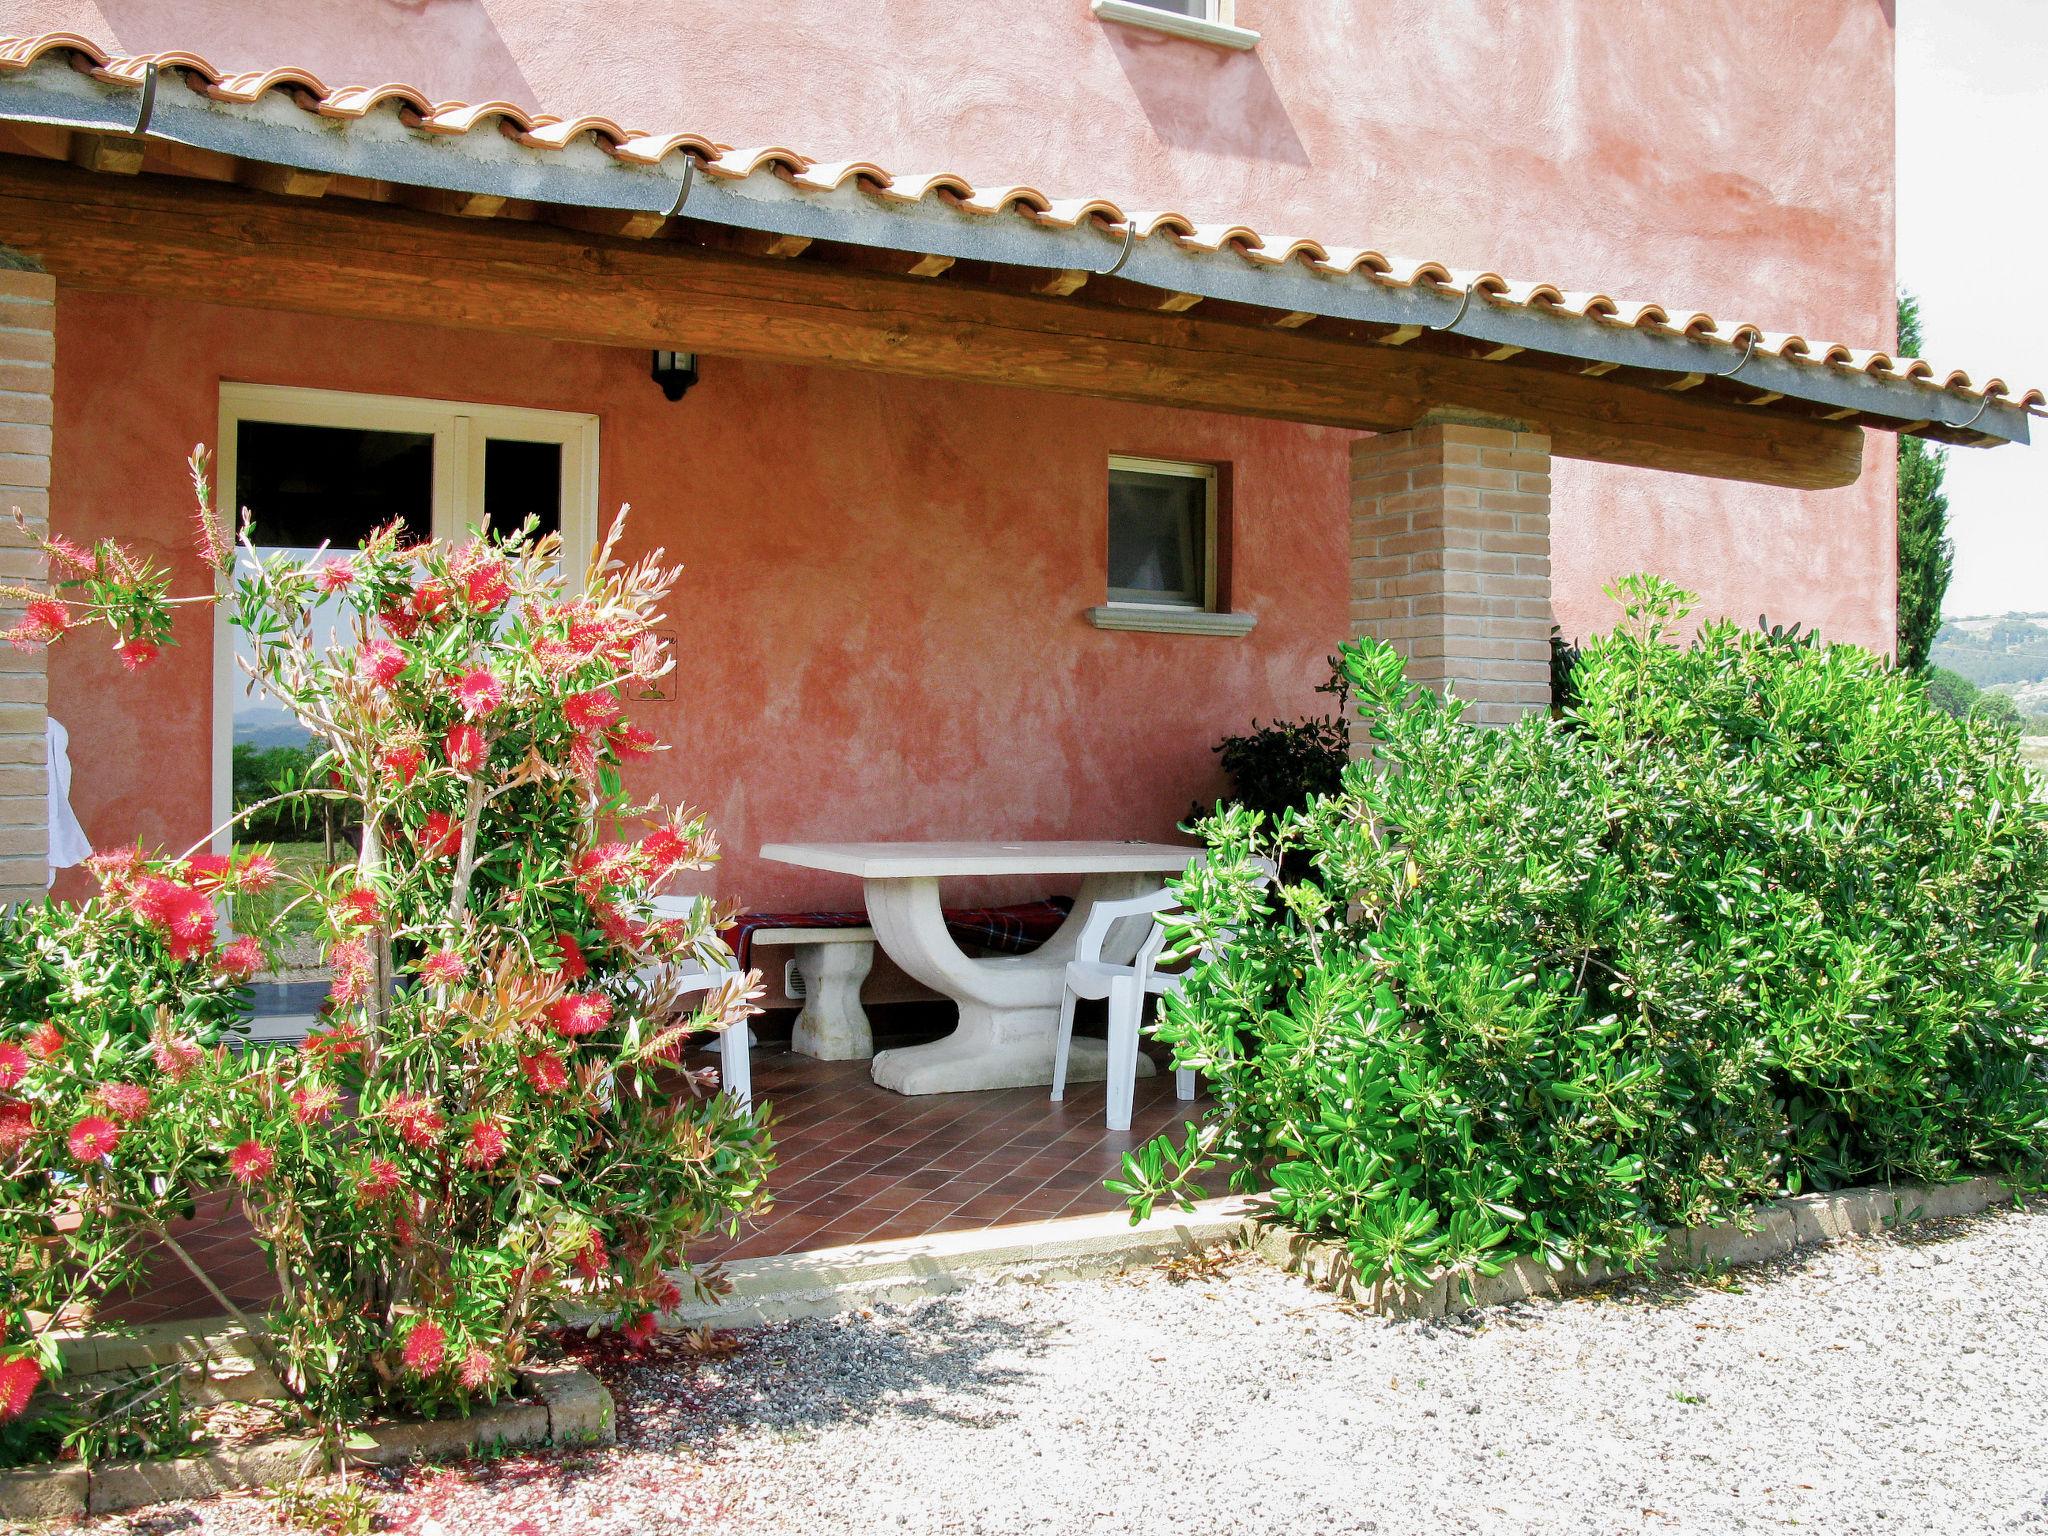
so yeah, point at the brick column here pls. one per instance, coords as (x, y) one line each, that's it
(28, 351)
(1450, 560)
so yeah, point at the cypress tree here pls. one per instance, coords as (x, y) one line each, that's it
(1926, 553)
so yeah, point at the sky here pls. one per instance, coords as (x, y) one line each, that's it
(1973, 244)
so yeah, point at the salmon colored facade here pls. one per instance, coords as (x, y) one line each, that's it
(882, 619)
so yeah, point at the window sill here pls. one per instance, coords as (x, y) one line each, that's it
(1170, 621)
(1131, 14)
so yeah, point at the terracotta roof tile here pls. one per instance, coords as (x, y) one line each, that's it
(454, 119)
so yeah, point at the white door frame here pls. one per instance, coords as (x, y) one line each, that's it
(460, 431)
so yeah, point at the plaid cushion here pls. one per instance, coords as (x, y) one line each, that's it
(1006, 930)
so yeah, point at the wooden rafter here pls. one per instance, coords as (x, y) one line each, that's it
(227, 244)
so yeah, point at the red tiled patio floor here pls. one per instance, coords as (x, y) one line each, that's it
(854, 1162)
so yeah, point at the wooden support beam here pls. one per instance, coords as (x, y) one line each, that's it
(106, 153)
(461, 205)
(224, 244)
(282, 180)
(611, 223)
(1293, 320)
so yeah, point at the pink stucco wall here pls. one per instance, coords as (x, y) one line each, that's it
(879, 626)
(882, 610)
(1714, 153)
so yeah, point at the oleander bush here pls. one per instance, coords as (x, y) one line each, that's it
(1749, 918)
(492, 1119)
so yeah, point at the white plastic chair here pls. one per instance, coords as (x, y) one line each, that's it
(735, 1061)
(1125, 987)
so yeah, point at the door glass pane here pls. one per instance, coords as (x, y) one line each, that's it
(522, 480)
(1158, 536)
(305, 486)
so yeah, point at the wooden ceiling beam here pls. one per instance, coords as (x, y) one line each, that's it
(173, 238)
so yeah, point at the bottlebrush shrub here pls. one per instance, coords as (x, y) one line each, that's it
(491, 1117)
(1752, 918)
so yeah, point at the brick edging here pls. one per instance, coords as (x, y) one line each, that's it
(1764, 1232)
(573, 1409)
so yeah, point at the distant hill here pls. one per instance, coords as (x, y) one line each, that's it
(2005, 653)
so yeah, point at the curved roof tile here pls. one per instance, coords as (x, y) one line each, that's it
(452, 119)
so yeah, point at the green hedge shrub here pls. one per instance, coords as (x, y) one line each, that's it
(1751, 918)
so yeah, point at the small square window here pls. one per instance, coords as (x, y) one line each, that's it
(1203, 21)
(1201, 10)
(1162, 533)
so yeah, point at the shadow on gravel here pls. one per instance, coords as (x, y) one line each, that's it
(793, 1379)
(1680, 1286)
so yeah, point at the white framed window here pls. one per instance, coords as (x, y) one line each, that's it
(317, 466)
(1206, 21)
(1162, 533)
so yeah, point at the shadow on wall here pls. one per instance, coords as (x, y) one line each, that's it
(450, 48)
(1212, 100)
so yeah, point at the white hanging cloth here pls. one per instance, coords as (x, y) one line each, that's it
(68, 842)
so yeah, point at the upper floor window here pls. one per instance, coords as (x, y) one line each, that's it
(1206, 21)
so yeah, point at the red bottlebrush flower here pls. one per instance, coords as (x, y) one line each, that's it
(583, 755)
(478, 692)
(426, 1343)
(114, 868)
(313, 1103)
(43, 621)
(379, 1183)
(19, 1378)
(478, 1369)
(333, 1044)
(208, 871)
(591, 1259)
(579, 1014)
(335, 576)
(632, 743)
(17, 1124)
(443, 967)
(574, 966)
(67, 554)
(665, 849)
(418, 1123)
(93, 1137)
(545, 1071)
(465, 748)
(184, 915)
(241, 959)
(45, 1040)
(591, 711)
(557, 658)
(485, 1144)
(402, 622)
(608, 864)
(126, 1102)
(13, 1064)
(486, 587)
(358, 909)
(641, 1331)
(668, 1296)
(430, 599)
(251, 1163)
(401, 1229)
(257, 873)
(174, 1055)
(399, 764)
(136, 654)
(441, 834)
(379, 663)
(622, 930)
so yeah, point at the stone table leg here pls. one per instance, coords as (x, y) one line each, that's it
(833, 1025)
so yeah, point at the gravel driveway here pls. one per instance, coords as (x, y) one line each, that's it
(1891, 1384)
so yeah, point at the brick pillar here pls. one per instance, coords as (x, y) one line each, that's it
(1450, 560)
(28, 337)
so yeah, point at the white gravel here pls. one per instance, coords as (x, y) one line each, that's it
(1891, 1384)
